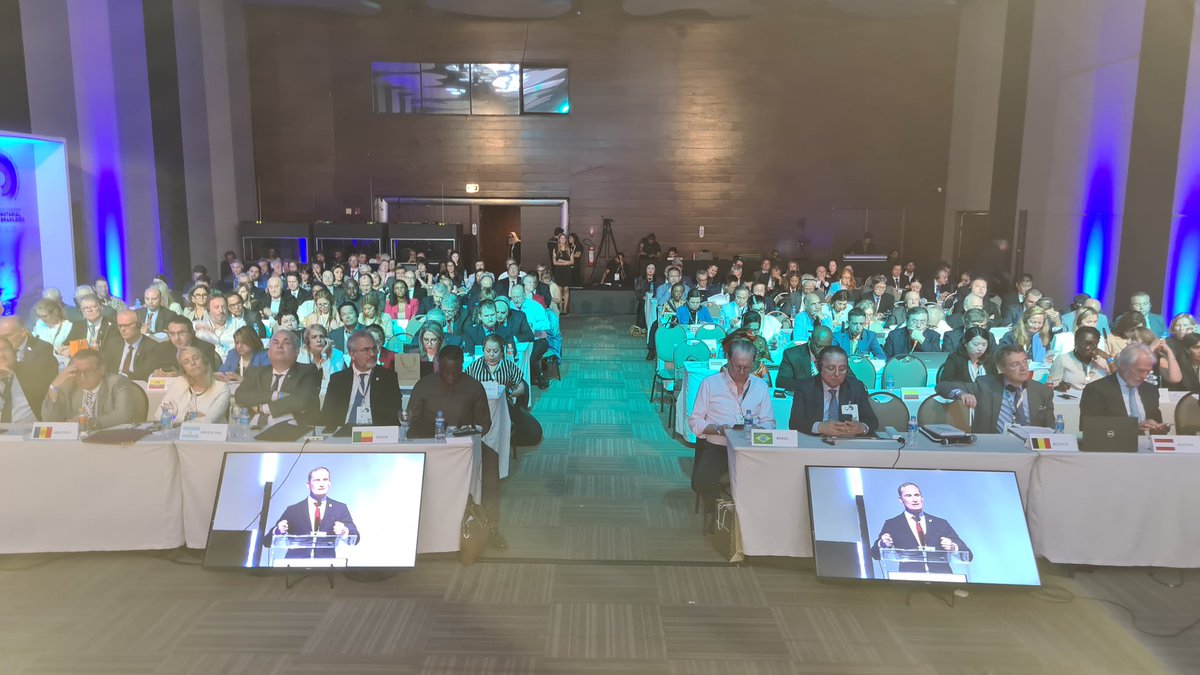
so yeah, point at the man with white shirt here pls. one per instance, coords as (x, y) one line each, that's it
(277, 301)
(364, 394)
(218, 327)
(135, 355)
(95, 328)
(1126, 392)
(721, 404)
(284, 390)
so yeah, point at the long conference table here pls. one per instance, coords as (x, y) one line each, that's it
(158, 493)
(1086, 508)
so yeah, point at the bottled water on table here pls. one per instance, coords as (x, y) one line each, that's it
(439, 426)
(912, 428)
(1059, 425)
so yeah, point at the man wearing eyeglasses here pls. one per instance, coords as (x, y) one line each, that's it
(721, 404)
(834, 403)
(1006, 398)
(364, 394)
(180, 334)
(85, 389)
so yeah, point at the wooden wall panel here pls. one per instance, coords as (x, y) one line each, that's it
(741, 126)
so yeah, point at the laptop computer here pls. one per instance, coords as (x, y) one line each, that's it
(1109, 434)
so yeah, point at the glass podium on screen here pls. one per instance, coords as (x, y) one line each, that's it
(925, 564)
(311, 550)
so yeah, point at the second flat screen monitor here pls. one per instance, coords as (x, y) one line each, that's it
(920, 525)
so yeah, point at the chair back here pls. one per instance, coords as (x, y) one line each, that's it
(890, 410)
(936, 410)
(688, 350)
(864, 370)
(905, 371)
(414, 325)
(710, 331)
(666, 338)
(938, 379)
(785, 321)
(1187, 415)
(141, 409)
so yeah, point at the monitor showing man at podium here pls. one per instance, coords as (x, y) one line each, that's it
(317, 526)
(847, 504)
(286, 510)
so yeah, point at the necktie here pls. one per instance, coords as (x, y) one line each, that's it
(275, 382)
(91, 338)
(150, 319)
(1134, 409)
(6, 401)
(920, 531)
(1007, 405)
(358, 398)
(317, 517)
(831, 413)
(89, 403)
(127, 362)
(854, 346)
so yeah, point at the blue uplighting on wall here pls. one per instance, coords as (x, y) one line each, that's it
(111, 218)
(303, 255)
(1183, 267)
(1095, 234)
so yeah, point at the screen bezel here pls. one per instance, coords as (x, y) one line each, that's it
(299, 453)
(812, 530)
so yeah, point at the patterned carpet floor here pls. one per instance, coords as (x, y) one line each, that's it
(607, 573)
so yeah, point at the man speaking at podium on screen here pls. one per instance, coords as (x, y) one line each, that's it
(318, 514)
(916, 529)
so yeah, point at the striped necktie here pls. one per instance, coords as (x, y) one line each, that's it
(1007, 409)
(831, 412)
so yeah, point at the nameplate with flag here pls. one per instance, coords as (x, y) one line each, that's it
(778, 438)
(910, 394)
(375, 435)
(157, 383)
(1175, 443)
(55, 431)
(198, 431)
(1043, 442)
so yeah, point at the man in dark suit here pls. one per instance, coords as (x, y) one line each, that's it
(295, 291)
(798, 363)
(180, 334)
(835, 403)
(136, 356)
(316, 514)
(153, 316)
(1126, 392)
(365, 393)
(879, 295)
(915, 529)
(855, 339)
(96, 328)
(914, 336)
(1008, 397)
(14, 402)
(36, 366)
(512, 278)
(285, 389)
(476, 333)
(512, 324)
(348, 313)
(972, 318)
(1017, 297)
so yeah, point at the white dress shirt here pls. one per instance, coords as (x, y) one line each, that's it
(720, 402)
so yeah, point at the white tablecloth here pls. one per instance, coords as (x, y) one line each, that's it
(451, 473)
(1099, 508)
(74, 496)
(771, 493)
